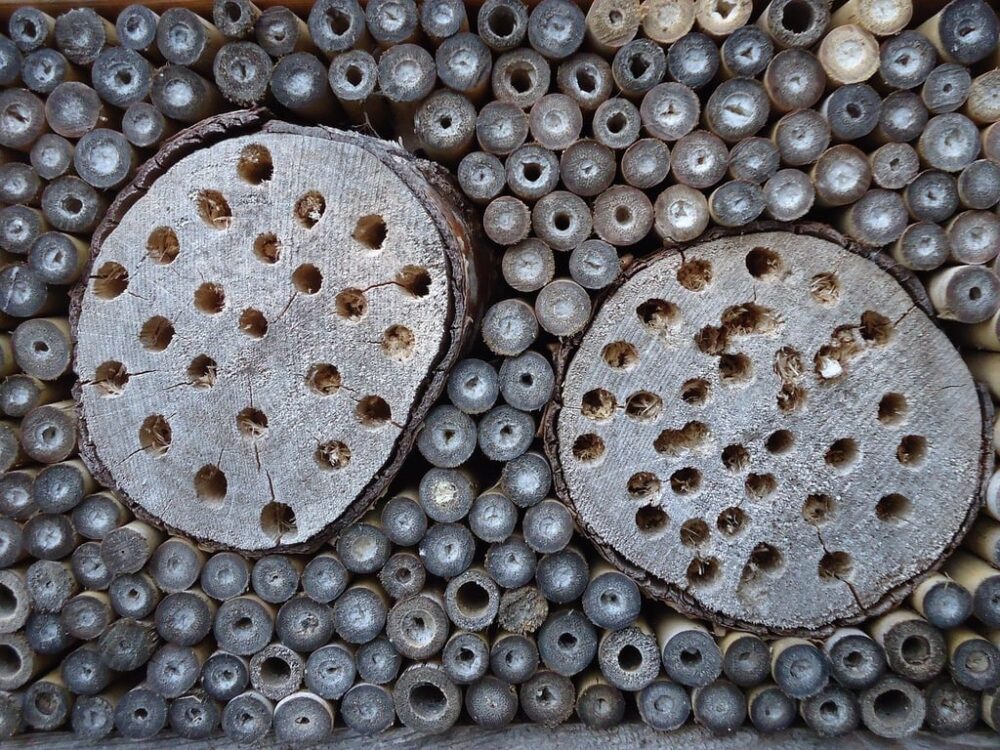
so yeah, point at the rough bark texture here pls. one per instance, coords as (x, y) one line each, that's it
(775, 490)
(380, 279)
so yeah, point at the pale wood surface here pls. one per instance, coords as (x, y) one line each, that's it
(841, 392)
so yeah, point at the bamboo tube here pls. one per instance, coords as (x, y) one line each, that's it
(612, 24)
(666, 21)
(964, 31)
(880, 17)
(849, 54)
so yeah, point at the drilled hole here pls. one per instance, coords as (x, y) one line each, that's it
(875, 328)
(162, 246)
(156, 334)
(695, 275)
(253, 323)
(842, 455)
(892, 408)
(323, 379)
(893, 508)
(643, 485)
(685, 481)
(213, 209)
(759, 486)
(111, 280)
(371, 231)
(333, 454)
(731, 521)
(110, 378)
(352, 305)
(688, 439)
(736, 458)
(210, 484)
(643, 406)
(763, 263)
(210, 298)
(202, 371)
(824, 288)
(588, 448)
(659, 315)
(155, 435)
(766, 557)
(251, 423)
(307, 278)
(309, 209)
(278, 520)
(598, 405)
(790, 397)
(780, 441)
(694, 532)
(818, 509)
(397, 343)
(711, 340)
(255, 165)
(266, 248)
(696, 392)
(620, 355)
(373, 411)
(748, 319)
(835, 565)
(734, 369)
(912, 450)
(651, 520)
(788, 364)
(414, 280)
(703, 571)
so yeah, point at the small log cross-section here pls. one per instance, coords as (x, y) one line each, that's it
(767, 430)
(269, 313)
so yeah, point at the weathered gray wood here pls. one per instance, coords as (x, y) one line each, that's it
(627, 736)
(280, 327)
(785, 452)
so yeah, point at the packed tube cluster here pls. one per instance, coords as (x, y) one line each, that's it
(588, 137)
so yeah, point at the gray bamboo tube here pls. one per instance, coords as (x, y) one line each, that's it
(338, 26)
(144, 125)
(121, 76)
(247, 717)
(801, 137)
(47, 703)
(280, 32)
(491, 703)
(22, 119)
(664, 705)
(521, 77)
(547, 698)
(128, 548)
(906, 60)
(585, 78)
(852, 111)
(135, 27)
(11, 61)
(502, 24)
(99, 514)
(506, 220)
(978, 185)
(966, 294)
(944, 603)
(788, 195)
(353, 77)
(795, 23)
(736, 203)
(617, 122)
(856, 660)
(481, 176)
(464, 64)
(48, 433)
(914, 648)
(878, 218)
(699, 159)
(982, 580)
(666, 21)
(770, 709)
(441, 19)
(746, 658)
(556, 28)
(393, 22)
(973, 661)
(185, 38)
(134, 595)
(720, 707)
(501, 127)
(44, 69)
(964, 31)
(798, 667)
(183, 95)
(31, 28)
(892, 708)
(303, 717)
(599, 704)
(242, 72)
(235, 19)
(693, 60)
(738, 108)
(128, 644)
(946, 88)
(276, 671)
(951, 709)
(81, 34)
(894, 165)
(680, 213)
(51, 156)
(931, 196)
(842, 175)
(299, 82)
(426, 699)
(690, 654)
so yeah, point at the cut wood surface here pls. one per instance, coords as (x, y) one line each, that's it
(261, 329)
(767, 430)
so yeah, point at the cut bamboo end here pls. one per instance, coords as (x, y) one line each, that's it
(690, 478)
(171, 388)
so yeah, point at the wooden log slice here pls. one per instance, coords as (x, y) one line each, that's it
(767, 430)
(270, 312)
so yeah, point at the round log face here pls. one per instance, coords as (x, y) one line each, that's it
(768, 431)
(258, 332)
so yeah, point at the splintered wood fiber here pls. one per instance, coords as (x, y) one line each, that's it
(769, 431)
